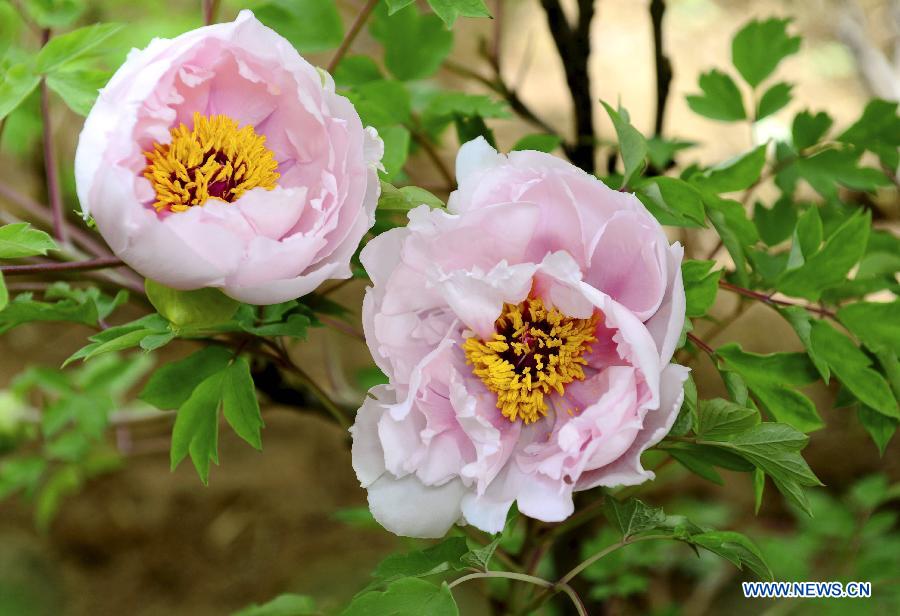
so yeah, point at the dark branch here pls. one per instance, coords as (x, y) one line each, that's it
(663, 64)
(574, 46)
(57, 268)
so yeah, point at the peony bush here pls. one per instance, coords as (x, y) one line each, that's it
(555, 330)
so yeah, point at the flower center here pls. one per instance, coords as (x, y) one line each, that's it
(215, 160)
(533, 352)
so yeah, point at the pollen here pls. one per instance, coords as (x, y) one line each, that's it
(216, 159)
(534, 352)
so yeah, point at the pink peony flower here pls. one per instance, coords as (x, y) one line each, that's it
(527, 335)
(221, 158)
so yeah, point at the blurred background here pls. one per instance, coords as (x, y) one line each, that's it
(139, 539)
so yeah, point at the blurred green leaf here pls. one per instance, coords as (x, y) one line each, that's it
(449, 10)
(538, 143)
(774, 99)
(21, 240)
(808, 129)
(826, 169)
(282, 605)
(16, 83)
(662, 151)
(879, 426)
(776, 223)
(415, 45)
(760, 46)
(309, 25)
(876, 324)
(673, 201)
(86, 306)
(721, 99)
(172, 384)
(65, 48)
(396, 150)
(78, 89)
(10, 22)
(445, 556)
(356, 70)
(877, 130)
(54, 13)
(736, 174)
(406, 198)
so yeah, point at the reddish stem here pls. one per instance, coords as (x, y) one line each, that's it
(768, 299)
(71, 266)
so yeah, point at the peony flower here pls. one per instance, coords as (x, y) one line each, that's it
(527, 333)
(221, 158)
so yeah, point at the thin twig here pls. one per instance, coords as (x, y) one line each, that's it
(697, 341)
(210, 8)
(768, 299)
(439, 163)
(521, 577)
(55, 268)
(351, 34)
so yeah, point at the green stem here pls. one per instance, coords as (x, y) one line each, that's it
(531, 579)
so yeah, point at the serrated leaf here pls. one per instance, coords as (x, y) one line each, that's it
(196, 430)
(632, 516)
(774, 99)
(825, 170)
(852, 367)
(760, 46)
(632, 145)
(239, 404)
(801, 321)
(197, 308)
(880, 427)
(480, 558)
(772, 379)
(63, 49)
(449, 10)
(876, 324)
(831, 264)
(445, 556)
(738, 233)
(737, 549)
(720, 100)
(673, 202)
(22, 240)
(718, 418)
(776, 223)
(172, 384)
(405, 597)
(310, 25)
(877, 130)
(78, 89)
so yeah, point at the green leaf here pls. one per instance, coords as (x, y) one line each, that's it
(774, 99)
(662, 151)
(738, 233)
(196, 430)
(737, 549)
(877, 130)
(21, 240)
(415, 45)
(773, 378)
(86, 306)
(405, 597)
(876, 324)
(852, 367)
(775, 224)
(198, 308)
(632, 516)
(283, 605)
(759, 486)
(880, 427)
(445, 556)
(449, 10)
(444, 107)
(673, 202)
(382, 103)
(357, 70)
(54, 13)
(480, 558)
(172, 384)
(239, 404)
(16, 83)
(808, 129)
(697, 465)
(801, 321)
(736, 174)
(718, 418)
(63, 49)
(309, 25)
(538, 143)
(10, 23)
(721, 99)
(759, 46)
(78, 89)
(831, 264)
(807, 238)
(830, 167)
(295, 326)
(4, 293)
(701, 284)
(406, 198)
(632, 145)
(396, 150)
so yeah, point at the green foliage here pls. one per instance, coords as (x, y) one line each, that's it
(673, 201)
(444, 556)
(447, 10)
(720, 100)
(282, 605)
(701, 283)
(199, 308)
(737, 174)
(310, 25)
(405, 597)
(774, 99)
(632, 145)
(760, 46)
(537, 142)
(415, 45)
(86, 306)
(21, 240)
(406, 198)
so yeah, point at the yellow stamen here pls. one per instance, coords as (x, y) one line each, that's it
(215, 160)
(534, 351)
